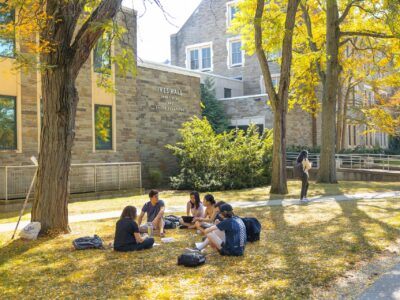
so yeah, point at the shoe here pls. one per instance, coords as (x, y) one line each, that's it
(198, 245)
(304, 200)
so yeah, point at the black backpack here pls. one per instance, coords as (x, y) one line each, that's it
(170, 222)
(253, 229)
(192, 259)
(88, 242)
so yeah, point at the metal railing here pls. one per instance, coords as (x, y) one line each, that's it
(354, 161)
(84, 178)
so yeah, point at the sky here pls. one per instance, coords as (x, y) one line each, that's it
(155, 28)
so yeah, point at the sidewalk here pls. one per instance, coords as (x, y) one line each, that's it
(245, 204)
(386, 287)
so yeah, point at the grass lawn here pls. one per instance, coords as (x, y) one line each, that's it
(174, 198)
(301, 248)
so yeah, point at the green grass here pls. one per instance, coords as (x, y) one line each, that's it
(301, 248)
(174, 198)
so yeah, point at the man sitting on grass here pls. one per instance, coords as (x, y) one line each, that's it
(155, 213)
(228, 236)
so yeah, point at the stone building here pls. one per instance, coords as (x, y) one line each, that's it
(112, 129)
(204, 44)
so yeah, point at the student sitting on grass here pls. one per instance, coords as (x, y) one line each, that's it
(155, 213)
(127, 236)
(210, 211)
(194, 208)
(228, 236)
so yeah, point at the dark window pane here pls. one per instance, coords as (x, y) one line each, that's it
(102, 55)
(227, 93)
(206, 58)
(103, 127)
(8, 123)
(236, 53)
(194, 59)
(7, 39)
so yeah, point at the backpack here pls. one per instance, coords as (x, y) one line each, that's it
(88, 242)
(30, 231)
(192, 259)
(170, 222)
(253, 229)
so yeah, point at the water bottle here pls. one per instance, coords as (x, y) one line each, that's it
(150, 229)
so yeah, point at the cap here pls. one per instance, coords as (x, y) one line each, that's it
(225, 208)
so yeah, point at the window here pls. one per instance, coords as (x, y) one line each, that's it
(8, 123)
(7, 41)
(199, 57)
(232, 9)
(102, 55)
(275, 82)
(236, 53)
(103, 127)
(227, 93)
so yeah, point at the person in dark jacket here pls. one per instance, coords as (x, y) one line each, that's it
(127, 236)
(303, 165)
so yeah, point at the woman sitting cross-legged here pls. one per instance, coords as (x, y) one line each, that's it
(194, 208)
(210, 212)
(127, 236)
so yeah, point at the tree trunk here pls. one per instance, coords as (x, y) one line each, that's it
(279, 101)
(339, 116)
(327, 169)
(57, 136)
(279, 174)
(61, 67)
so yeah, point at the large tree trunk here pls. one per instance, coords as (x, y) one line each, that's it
(61, 66)
(327, 169)
(58, 132)
(279, 101)
(279, 174)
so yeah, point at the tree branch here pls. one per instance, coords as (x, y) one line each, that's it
(91, 31)
(367, 33)
(347, 10)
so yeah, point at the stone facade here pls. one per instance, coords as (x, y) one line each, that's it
(165, 101)
(208, 23)
(143, 121)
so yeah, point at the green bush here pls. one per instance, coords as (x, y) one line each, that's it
(217, 161)
(155, 178)
(299, 148)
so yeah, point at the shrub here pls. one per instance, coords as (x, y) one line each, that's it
(217, 161)
(155, 178)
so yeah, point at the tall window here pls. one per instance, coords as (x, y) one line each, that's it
(102, 55)
(8, 123)
(199, 57)
(235, 53)
(7, 40)
(232, 9)
(103, 127)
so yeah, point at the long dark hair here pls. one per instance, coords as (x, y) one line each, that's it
(196, 199)
(210, 198)
(303, 154)
(129, 212)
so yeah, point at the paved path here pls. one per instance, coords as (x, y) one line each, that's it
(386, 287)
(244, 204)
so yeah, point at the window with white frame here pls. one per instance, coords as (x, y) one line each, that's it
(231, 10)
(235, 53)
(275, 82)
(199, 57)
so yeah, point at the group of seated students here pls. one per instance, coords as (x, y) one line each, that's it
(223, 231)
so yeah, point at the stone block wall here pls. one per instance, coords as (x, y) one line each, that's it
(165, 101)
(208, 24)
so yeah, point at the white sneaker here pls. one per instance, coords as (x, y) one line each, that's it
(304, 200)
(198, 245)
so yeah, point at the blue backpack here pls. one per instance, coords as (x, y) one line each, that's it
(88, 242)
(253, 229)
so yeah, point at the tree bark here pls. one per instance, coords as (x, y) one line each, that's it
(279, 101)
(327, 169)
(60, 100)
(314, 130)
